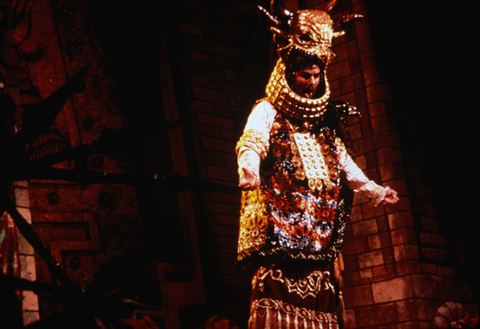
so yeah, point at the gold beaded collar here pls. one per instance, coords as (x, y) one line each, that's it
(286, 101)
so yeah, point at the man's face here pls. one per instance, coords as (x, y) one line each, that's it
(307, 80)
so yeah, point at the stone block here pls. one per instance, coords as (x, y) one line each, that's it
(335, 88)
(400, 219)
(348, 247)
(429, 268)
(439, 240)
(404, 202)
(371, 160)
(361, 245)
(399, 253)
(389, 155)
(392, 290)
(228, 231)
(341, 52)
(350, 321)
(370, 211)
(385, 239)
(403, 236)
(227, 242)
(357, 82)
(378, 92)
(366, 274)
(370, 76)
(434, 255)
(350, 263)
(365, 227)
(211, 95)
(367, 130)
(355, 65)
(374, 242)
(388, 255)
(356, 214)
(357, 296)
(416, 309)
(446, 271)
(428, 286)
(382, 224)
(426, 238)
(368, 59)
(339, 70)
(355, 133)
(346, 85)
(225, 219)
(380, 108)
(370, 259)
(360, 97)
(218, 145)
(364, 43)
(415, 325)
(379, 271)
(424, 192)
(376, 315)
(222, 173)
(351, 277)
(408, 267)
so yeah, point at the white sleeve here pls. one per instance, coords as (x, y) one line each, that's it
(254, 143)
(355, 178)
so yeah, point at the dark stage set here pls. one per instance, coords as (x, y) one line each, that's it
(120, 187)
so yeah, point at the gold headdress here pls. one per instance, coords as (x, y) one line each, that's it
(306, 34)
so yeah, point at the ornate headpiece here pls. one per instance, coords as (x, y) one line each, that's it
(306, 34)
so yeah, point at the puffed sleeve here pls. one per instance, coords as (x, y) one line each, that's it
(253, 145)
(355, 178)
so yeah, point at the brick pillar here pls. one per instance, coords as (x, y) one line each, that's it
(397, 267)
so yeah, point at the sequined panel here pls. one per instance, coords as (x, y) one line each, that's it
(294, 214)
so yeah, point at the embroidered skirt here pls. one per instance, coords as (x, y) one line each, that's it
(286, 298)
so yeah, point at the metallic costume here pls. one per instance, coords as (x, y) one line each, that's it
(292, 225)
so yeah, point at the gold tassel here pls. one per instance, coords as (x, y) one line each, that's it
(341, 311)
(268, 320)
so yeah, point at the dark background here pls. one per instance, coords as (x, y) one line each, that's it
(431, 52)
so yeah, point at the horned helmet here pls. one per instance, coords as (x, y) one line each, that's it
(302, 36)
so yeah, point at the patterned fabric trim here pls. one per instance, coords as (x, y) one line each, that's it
(310, 285)
(268, 313)
(254, 140)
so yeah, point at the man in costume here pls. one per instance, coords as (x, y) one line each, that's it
(295, 164)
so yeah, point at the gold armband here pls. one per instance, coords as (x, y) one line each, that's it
(255, 140)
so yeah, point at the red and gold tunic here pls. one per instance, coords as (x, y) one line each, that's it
(301, 207)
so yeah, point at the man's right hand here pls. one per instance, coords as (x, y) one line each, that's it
(248, 180)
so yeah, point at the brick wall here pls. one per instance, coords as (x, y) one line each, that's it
(225, 55)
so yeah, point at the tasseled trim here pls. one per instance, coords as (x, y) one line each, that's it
(267, 313)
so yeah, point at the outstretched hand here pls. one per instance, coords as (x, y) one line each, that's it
(391, 196)
(248, 180)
